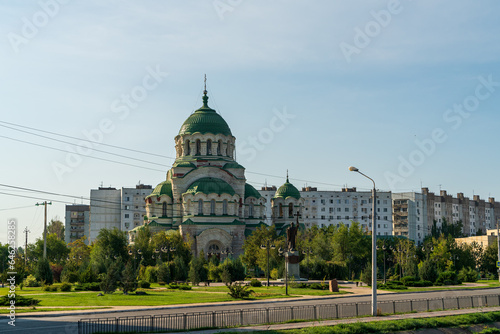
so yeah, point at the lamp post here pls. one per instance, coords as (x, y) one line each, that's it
(384, 249)
(374, 242)
(268, 246)
(283, 252)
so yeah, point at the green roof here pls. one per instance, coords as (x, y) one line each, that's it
(190, 222)
(287, 190)
(164, 188)
(250, 191)
(210, 185)
(232, 165)
(205, 120)
(184, 164)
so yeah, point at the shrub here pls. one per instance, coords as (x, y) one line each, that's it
(31, 281)
(447, 278)
(88, 287)
(20, 301)
(43, 272)
(144, 284)
(70, 276)
(239, 291)
(129, 279)
(318, 286)
(163, 273)
(173, 286)
(65, 287)
(56, 272)
(427, 270)
(185, 287)
(467, 275)
(274, 274)
(408, 280)
(151, 274)
(366, 274)
(255, 283)
(49, 288)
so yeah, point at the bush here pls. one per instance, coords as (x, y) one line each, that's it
(427, 271)
(467, 275)
(184, 287)
(163, 274)
(49, 288)
(448, 278)
(144, 285)
(408, 280)
(70, 276)
(88, 287)
(65, 287)
(20, 301)
(43, 272)
(274, 274)
(129, 279)
(239, 291)
(318, 286)
(255, 283)
(31, 281)
(366, 274)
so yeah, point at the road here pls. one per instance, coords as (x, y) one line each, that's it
(67, 324)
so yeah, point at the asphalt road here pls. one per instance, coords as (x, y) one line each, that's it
(68, 324)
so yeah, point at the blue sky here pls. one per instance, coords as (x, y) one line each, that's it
(370, 84)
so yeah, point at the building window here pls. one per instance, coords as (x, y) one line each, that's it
(200, 207)
(219, 148)
(198, 147)
(126, 215)
(212, 207)
(290, 210)
(250, 210)
(164, 209)
(188, 147)
(209, 147)
(280, 213)
(224, 207)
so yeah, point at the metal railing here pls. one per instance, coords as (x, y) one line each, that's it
(269, 315)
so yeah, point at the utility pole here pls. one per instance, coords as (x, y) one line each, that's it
(45, 203)
(26, 231)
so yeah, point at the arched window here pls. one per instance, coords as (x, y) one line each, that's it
(209, 147)
(200, 207)
(290, 210)
(198, 147)
(219, 148)
(164, 209)
(250, 210)
(224, 207)
(280, 211)
(188, 147)
(212, 207)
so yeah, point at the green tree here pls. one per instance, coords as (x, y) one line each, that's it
(163, 273)
(129, 278)
(254, 256)
(351, 246)
(197, 270)
(427, 270)
(109, 279)
(56, 227)
(489, 259)
(110, 247)
(57, 250)
(43, 272)
(181, 269)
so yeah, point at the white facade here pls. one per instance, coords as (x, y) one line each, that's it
(105, 210)
(133, 206)
(410, 215)
(324, 208)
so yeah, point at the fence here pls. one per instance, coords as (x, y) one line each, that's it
(259, 316)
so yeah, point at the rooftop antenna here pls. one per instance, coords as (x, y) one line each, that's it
(101, 184)
(439, 186)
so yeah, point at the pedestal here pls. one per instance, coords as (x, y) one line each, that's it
(292, 265)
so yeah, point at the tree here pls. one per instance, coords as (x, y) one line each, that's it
(57, 251)
(197, 270)
(427, 271)
(351, 246)
(163, 273)
(109, 279)
(254, 256)
(109, 247)
(43, 272)
(489, 259)
(56, 227)
(129, 278)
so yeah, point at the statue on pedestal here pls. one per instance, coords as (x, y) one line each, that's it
(291, 235)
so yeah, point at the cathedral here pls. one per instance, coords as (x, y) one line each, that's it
(205, 195)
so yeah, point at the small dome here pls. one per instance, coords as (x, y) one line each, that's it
(210, 185)
(287, 190)
(205, 120)
(164, 188)
(250, 191)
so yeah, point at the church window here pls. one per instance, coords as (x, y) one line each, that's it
(200, 207)
(250, 210)
(188, 147)
(290, 210)
(164, 209)
(280, 211)
(209, 147)
(219, 148)
(212, 207)
(198, 147)
(224, 207)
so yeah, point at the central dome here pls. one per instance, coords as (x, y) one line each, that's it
(205, 120)
(287, 190)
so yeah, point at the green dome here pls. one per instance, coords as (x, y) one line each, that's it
(287, 190)
(250, 191)
(205, 120)
(184, 164)
(232, 165)
(164, 188)
(210, 185)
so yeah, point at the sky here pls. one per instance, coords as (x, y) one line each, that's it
(406, 91)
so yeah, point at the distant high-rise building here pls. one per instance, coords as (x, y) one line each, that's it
(105, 210)
(134, 206)
(76, 223)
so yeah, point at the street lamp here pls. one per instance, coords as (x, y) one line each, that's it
(282, 252)
(267, 246)
(384, 249)
(374, 242)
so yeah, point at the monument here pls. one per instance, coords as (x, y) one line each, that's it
(292, 258)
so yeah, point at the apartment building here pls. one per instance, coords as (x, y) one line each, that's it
(76, 222)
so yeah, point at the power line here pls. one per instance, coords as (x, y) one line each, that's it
(88, 156)
(88, 140)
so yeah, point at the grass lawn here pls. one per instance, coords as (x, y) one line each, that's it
(484, 284)
(276, 291)
(48, 309)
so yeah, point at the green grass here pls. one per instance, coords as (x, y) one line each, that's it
(395, 325)
(276, 291)
(488, 284)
